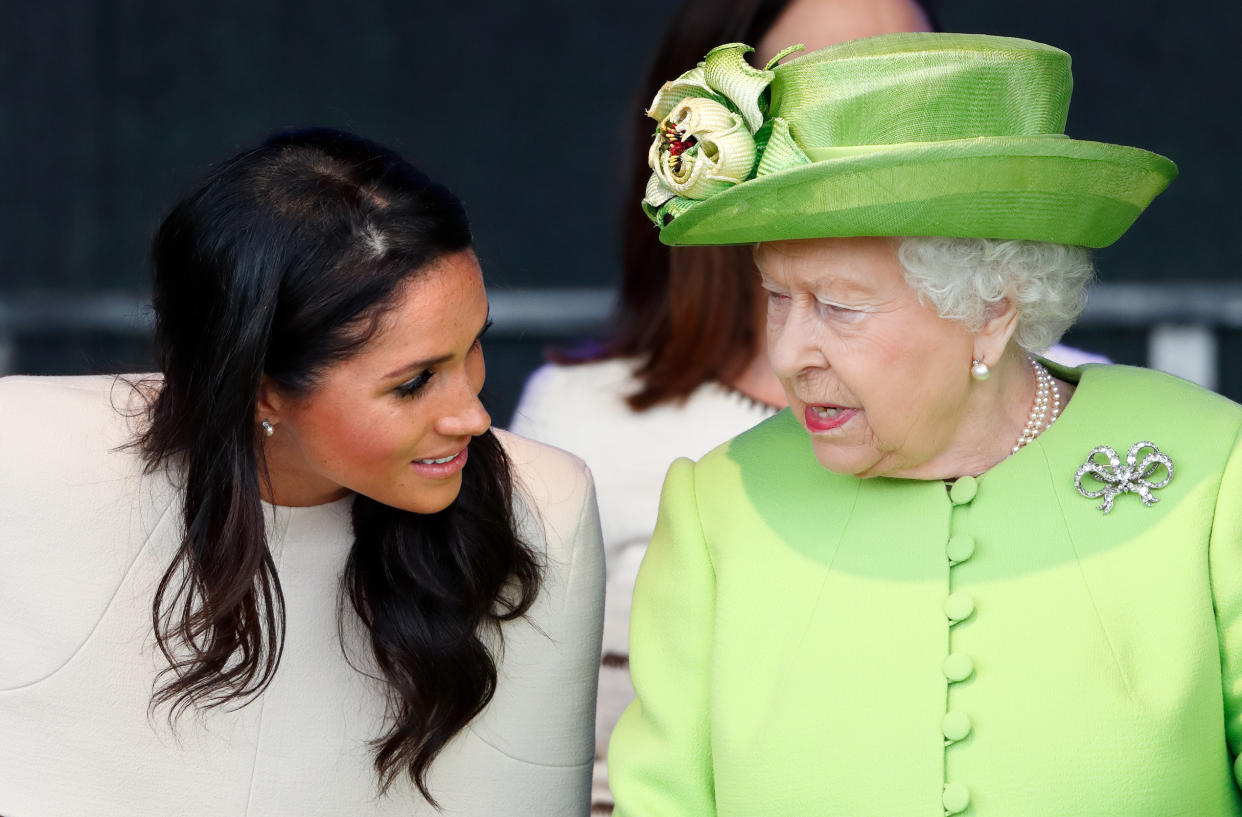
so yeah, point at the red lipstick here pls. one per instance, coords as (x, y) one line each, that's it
(826, 416)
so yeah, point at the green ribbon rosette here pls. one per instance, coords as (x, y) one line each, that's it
(712, 127)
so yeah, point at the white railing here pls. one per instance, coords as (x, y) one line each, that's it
(1181, 320)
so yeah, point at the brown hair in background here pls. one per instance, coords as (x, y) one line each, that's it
(688, 314)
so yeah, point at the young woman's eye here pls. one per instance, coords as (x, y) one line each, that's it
(478, 341)
(414, 385)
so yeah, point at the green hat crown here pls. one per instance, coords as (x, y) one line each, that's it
(877, 91)
(903, 134)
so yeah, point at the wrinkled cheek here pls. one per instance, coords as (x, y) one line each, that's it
(919, 430)
(891, 429)
(787, 386)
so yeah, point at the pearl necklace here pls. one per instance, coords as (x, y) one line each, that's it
(1047, 399)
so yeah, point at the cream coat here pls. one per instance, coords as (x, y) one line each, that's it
(84, 537)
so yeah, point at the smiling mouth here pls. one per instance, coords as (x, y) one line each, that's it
(439, 460)
(441, 467)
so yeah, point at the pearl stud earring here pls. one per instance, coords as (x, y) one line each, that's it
(267, 427)
(979, 370)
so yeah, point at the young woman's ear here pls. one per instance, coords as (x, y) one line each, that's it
(267, 407)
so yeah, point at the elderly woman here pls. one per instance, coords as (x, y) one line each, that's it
(951, 578)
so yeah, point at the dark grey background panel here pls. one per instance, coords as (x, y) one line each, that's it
(1159, 75)
(110, 110)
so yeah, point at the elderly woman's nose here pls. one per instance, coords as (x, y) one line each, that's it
(793, 346)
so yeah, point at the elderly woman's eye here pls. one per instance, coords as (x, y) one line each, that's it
(414, 385)
(831, 310)
(777, 298)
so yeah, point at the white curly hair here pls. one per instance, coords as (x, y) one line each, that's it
(961, 277)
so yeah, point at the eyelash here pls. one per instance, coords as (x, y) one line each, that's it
(836, 309)
(413, 386)
(828, 310)
(416, 384)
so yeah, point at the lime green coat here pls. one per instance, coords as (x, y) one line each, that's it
(798, 636)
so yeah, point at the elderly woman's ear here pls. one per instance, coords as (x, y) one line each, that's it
(1000, 320)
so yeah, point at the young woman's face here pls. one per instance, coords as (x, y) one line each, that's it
(393, 421)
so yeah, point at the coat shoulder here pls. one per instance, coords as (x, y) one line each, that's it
(1133, 386)
(554, 492)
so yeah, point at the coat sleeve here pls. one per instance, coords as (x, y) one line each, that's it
(1226, 572)
(542, 716)
(659, 759)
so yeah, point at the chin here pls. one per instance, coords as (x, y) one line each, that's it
(846, 463)
(424, 499)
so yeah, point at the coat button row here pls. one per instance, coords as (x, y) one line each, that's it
(956, 726)
(959, 548)
(963, 490)
(958, 667)
(956, 798)
(959, 606)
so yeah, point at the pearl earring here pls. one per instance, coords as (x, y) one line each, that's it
(979, 370)
(267, 427)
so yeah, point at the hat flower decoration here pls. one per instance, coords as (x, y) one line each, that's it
(959, 135)
(709, 117)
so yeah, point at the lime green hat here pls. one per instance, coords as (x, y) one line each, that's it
(901, 134)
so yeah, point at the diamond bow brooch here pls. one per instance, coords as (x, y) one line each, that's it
(1133, 477)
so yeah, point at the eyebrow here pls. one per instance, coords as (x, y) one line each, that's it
(841, 284)
(844, 285)
(432, 361)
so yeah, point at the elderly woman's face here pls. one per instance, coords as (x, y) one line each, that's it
(877, 378)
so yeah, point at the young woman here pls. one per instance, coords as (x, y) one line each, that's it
(296, 572)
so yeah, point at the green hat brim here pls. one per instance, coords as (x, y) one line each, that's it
(1040, 188)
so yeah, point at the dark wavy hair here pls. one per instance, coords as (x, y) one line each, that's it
(281, 264)
(688, 314)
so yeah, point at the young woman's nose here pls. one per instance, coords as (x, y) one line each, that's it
(466, 416)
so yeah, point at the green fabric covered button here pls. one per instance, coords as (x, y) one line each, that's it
(956, 798)
(958, 667)
(956, 725)
(959, 606)
(960, 547)
(963, 490)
